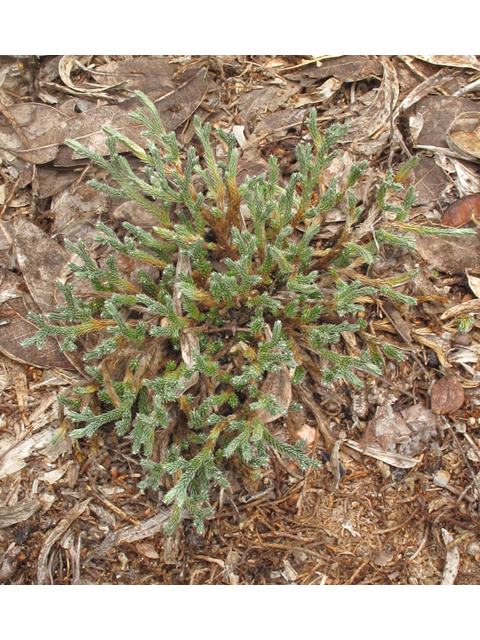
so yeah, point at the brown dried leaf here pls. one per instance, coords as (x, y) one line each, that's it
(133, 212)
(255, 104)
(344, 68)
(430, 182)
(438, 503)
(452, 255)
(385, 430)
(398, 460)
(279, 386)
(318, 96)
(52, 181)
(447, 395)
(151, 74)
(463, 136)
(438, 112)
(470, 306)
(452, 560)
(133, 533)
(65, 66)
(76, 211)
(34, 120)
(21, 390)
(148, 550)
(474, 283)
(278, 122)
(174, 107)
(379, 112)
(41, 260)
(16, 328)
(56, 534)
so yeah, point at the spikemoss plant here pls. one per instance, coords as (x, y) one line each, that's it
(165, 369)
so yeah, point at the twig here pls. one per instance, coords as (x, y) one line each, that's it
(399, 526)
(9, 197)
(352, 578)
(422, 544)
(113, 507)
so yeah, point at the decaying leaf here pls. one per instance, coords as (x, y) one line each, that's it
(344, 68)
(174, 107)
(132, 533)
(463, 136)
(462, 211)
(16, 327)
(151, 74)
(379, 112)
(76, 211)
(385, 431)
(41, 260)
(148, 550)
(255, 104)
(473, 282)
(437, 503)
(279, 386)
(451, 255)
(16, 454)
(438, 112)
(470, 306)
(33, 120)
(447, 395)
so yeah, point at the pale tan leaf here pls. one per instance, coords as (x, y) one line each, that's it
(465, 62)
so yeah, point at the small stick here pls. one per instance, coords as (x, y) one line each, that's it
(114, 508)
